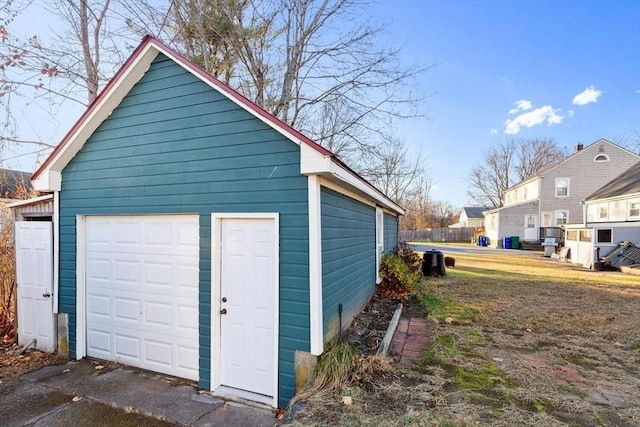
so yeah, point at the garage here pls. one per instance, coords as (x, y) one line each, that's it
(141, 281)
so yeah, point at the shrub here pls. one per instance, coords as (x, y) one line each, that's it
(398, 277)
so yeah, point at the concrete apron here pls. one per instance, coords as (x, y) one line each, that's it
(77, 393)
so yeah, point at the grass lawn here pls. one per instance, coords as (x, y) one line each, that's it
(527, 342)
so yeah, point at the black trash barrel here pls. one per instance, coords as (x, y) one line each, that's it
(433, 263)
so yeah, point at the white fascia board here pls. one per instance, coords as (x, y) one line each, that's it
(314, 163)
(356, 182)
(30, 201)
(622, 197)
(50, 179)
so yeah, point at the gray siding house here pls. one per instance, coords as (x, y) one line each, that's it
(196, 235)
(557, 194)
(612, 216)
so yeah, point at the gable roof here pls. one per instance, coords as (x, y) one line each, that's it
(548, 168)
(474, 212)
(627, 182)
(11, 181)
(315, 159)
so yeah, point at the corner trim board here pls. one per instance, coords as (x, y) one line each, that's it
(315, 266)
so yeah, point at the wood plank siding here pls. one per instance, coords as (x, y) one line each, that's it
(175, 145)
(390, 232)
(348, 258)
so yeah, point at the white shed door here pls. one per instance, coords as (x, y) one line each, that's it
(142, 291)
(34, 276)
(247, 299)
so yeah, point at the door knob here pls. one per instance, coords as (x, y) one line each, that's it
(223, 311)
(46, 295)
(224, 299)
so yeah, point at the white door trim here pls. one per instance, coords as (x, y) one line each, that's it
(81, 287)
(216, 257)
(34, 278)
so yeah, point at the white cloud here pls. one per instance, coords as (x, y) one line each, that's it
(571, 113)
(589, 95)
(493, 131)
(521, 105)
(533, 118)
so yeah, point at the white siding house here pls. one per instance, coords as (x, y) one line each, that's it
(612, 216)
(556, 195)
(470, 217)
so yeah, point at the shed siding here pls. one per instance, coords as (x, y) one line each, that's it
(174, 145)
(348, 258)
(390, 232)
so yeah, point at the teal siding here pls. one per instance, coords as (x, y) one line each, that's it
(348, 258)
(390, 232)
(174, 145)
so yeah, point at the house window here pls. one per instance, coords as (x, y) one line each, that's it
(547, 218)
(572, 235)
(604, 235)
(379, 242)
(585, 235)
(531, 221)
(604, 212)
(562, 187)
(634, 209)
(601, 158)
(562, 217)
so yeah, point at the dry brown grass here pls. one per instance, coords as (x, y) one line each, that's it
(549, 344)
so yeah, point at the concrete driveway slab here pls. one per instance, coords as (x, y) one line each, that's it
(110, 395)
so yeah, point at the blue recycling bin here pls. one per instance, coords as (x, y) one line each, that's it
(483, 240)
(507, 243)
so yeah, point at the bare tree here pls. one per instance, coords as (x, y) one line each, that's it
(68, 67)
(506, 164)
(492, 177)
(535, 154)
(391, 171)
(311, 63)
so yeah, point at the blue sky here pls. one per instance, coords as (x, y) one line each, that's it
(569, 70)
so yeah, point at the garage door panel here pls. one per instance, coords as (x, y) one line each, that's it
(142, 291)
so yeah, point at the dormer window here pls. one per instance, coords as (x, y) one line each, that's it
(601, 158)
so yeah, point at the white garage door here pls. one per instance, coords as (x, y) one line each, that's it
(142, 291)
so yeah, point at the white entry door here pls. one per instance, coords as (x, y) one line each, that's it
(34, 276)
(142, 291)
(531, 227)
(248, 270)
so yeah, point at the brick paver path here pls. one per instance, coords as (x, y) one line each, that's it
(410, 339)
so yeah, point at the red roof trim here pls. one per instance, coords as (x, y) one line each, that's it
(252, 106)
(145, 40)
(241, 99)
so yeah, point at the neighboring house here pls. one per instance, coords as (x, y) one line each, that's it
(14, 185)
(197, 235)
(470, 217)
(612, 216)
(556, 195)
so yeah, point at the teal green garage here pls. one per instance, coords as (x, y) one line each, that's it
(198, 236)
